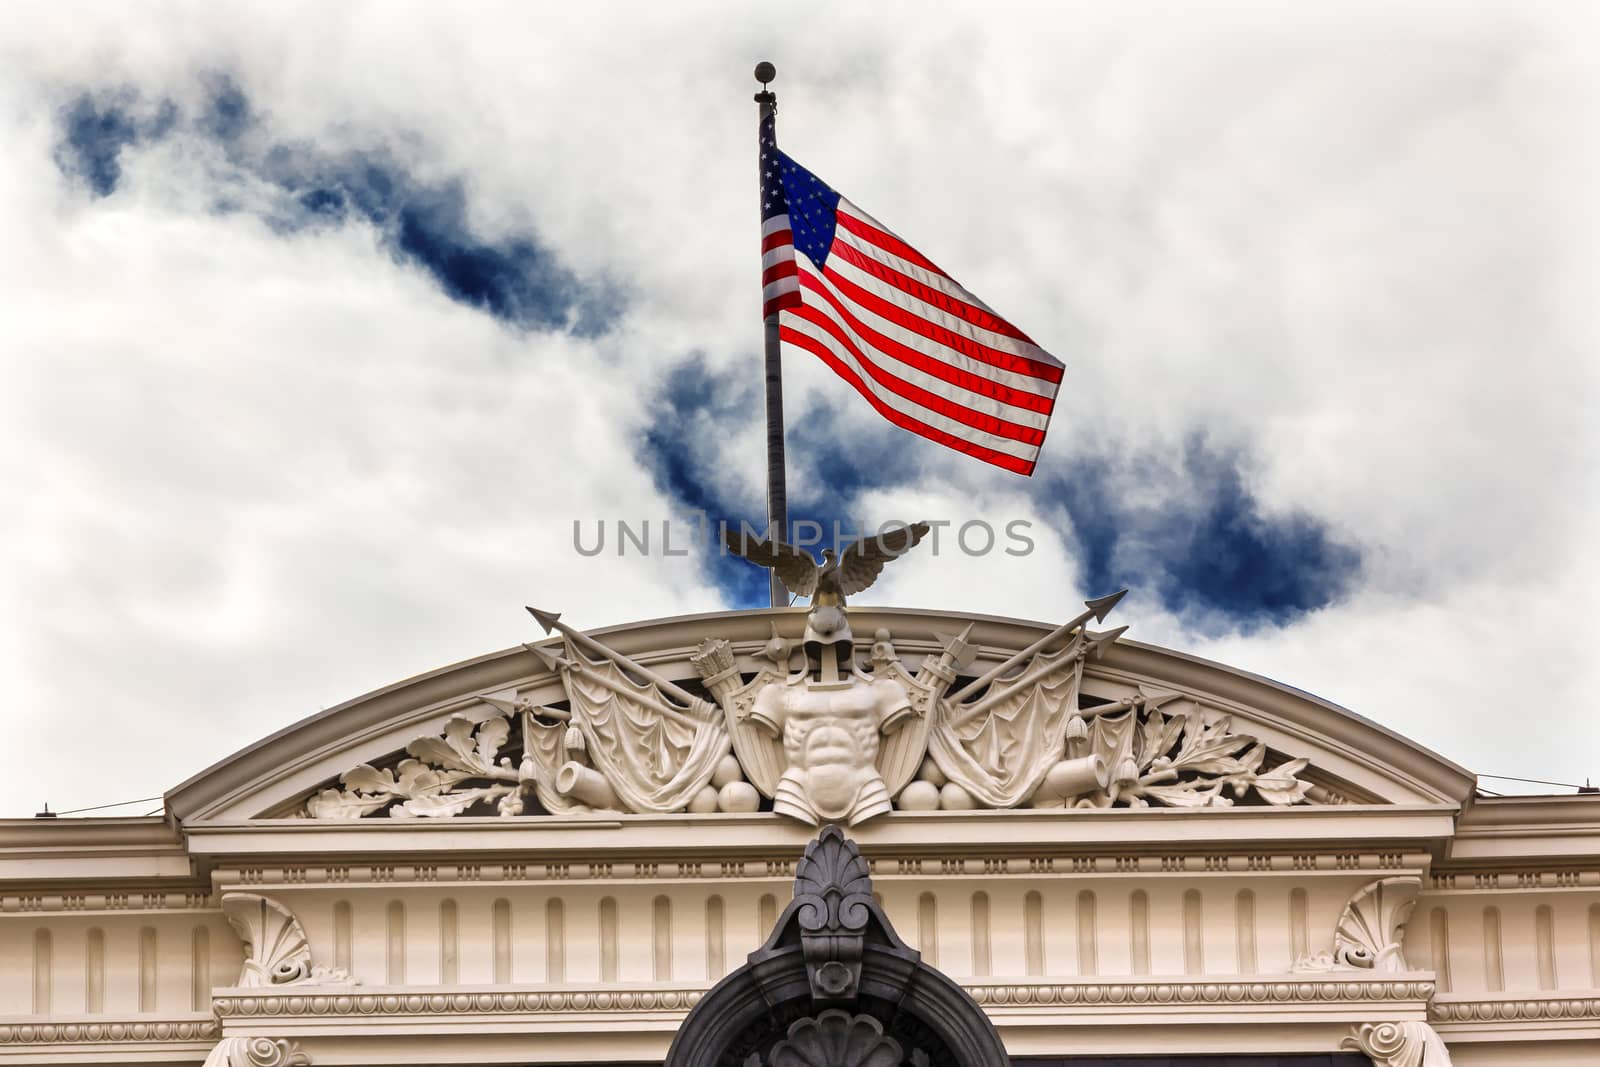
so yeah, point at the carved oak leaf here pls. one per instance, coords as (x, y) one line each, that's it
(1157, 734)
(337, 804)
(492, 734)
(1189, 795)
(455, 750)
(444, 805)
(368, 779)
(1280, 786)
(1211, 749)
(417, 779)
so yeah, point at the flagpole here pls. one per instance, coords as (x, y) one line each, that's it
(777, 492)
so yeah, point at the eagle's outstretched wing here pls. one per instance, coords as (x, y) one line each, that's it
(861, 563)
(796, 569)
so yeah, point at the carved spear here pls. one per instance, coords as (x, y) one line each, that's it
(555, 662)
(1099, 608)
(1100, 642)
(551, 620)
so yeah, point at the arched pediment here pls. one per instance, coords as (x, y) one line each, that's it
(669, 711)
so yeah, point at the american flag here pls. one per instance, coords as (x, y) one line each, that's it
(928, 355)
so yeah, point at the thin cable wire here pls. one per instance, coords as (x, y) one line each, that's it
(1530, 781)
(102, 807)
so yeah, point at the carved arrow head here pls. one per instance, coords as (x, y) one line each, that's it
(1104, 640)
(1154, 698)
(961, 653)
(1100, 605)
(547, 619)
(504, 700)
(549, 657)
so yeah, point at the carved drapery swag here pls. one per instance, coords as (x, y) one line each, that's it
(834, 986)
(654, 754)
(1001, 745)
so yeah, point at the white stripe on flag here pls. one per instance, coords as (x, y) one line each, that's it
(921, 308)
(956, 393)
(932, 349)
(916, 411)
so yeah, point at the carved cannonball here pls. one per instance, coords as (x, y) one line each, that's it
(704, 801)
(954, 798)
(919, 796)
(930, 772)
(728, 770)
(738, 796)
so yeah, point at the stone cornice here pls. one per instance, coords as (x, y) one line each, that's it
(1545, 1014)
(124, 852)
(996, 864)
(1338, 993)
(138, 835)
(1152, 831)
(1526, 831)
(192, 1029)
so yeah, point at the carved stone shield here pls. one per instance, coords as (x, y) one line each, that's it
(902, 751)
(760, 754)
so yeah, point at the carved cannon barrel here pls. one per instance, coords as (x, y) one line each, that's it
(1072, 777)
(587, 785)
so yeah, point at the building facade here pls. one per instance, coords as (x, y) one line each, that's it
(551, 854)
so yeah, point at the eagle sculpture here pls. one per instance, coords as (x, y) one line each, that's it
(841, 575)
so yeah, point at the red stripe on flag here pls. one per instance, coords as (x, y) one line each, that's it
(962, 379)
(888, 242)
(776, 238)
(899, 418)
(957, 343)
(984, 320)
(786, 269)
(791, 299)
(950, 409)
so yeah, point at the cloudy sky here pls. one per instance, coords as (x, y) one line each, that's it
(324, 323)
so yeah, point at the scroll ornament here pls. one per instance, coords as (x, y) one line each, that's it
(1403, 1044)
(256, 1052)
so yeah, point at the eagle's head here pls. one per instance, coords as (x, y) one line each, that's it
(829, 555)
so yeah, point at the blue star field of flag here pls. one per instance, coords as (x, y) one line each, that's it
(787, 187)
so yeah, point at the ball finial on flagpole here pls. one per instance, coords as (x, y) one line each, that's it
(765, 72)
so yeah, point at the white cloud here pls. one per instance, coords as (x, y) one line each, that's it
(261, 473)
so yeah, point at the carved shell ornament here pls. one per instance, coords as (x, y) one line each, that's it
(836, 1039)
(1370, 930)
(627, 739)
(277, 952)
